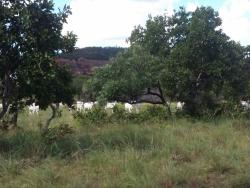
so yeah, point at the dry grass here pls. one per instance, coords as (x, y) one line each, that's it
(181, 154)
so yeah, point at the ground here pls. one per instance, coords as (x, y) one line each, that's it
(172, 153)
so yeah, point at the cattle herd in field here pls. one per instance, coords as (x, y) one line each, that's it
(86, 106)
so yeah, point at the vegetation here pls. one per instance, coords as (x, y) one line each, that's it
(180, 153)
(185, 57)
(31, 38)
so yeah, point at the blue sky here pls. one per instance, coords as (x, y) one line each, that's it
(216, 4)
(110, 22)
(61, 3)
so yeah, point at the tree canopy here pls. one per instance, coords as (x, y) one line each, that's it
(31, 37)
(184, 57)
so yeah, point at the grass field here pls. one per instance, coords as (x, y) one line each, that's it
(165, 154)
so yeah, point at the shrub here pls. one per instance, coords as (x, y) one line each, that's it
(152, 113)
(119, 113)
(60, 141)
(95, 116)
(56, 133)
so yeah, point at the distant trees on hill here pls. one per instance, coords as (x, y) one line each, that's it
(97, 53)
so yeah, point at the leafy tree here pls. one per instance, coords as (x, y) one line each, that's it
(30, 34)
(244, 92)
(130, 76)
(185, 57)
(204, 65)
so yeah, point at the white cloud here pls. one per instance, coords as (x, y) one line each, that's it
(110, 22)
(191, 7)
(236, 20)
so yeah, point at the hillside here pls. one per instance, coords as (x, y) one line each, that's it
(85, 60)
(82, 65)
(96, 53)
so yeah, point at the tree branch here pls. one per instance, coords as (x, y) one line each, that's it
(46, 127)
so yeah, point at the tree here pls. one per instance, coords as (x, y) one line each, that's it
(130, 76)
(185, 57)
(30, 34)
(204, 65)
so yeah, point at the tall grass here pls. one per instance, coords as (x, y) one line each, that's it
(125, 153)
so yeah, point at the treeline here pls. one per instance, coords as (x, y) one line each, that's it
(184, 57)
(97, 53)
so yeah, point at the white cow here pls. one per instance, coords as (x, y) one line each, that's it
(1, 105)
(88, 105)
(110, 105)
(33, 109)
(245, 105)
(79, 106)
(128, 107)
(179, 105)
(61, 105)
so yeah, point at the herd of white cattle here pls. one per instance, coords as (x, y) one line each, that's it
(81, 106)
(86, 106)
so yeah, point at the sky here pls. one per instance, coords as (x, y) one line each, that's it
(110, 22)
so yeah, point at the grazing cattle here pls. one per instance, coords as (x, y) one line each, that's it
(61, 105)
(1, 105)
(110, 105)
(128, 107)
(245, 105)
(79, 106)
(88, 105)
(179, 105)
(33, 109)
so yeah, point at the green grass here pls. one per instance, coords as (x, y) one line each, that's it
(180, 153)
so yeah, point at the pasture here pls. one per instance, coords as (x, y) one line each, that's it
(181, 152)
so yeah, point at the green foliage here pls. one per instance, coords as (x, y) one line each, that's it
(153, 113)
(119, 113)
(130, 73)
(56, 133)
(30, 40)
(95, 116)
(202, 64)
(98, 116)
(185, 57)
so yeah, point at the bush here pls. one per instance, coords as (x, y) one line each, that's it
(56, 133)
(119, 113)
(60, 141)
(99, 116)
(152, 113)
(95, 116)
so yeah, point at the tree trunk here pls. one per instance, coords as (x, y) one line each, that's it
(6, 95)
(47, 124)
(15, 115)
(164, 100)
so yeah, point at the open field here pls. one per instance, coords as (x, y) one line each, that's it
(178, 153)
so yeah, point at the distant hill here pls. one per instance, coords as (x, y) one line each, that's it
(85, 60)
(96, 53)
(82, 66)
